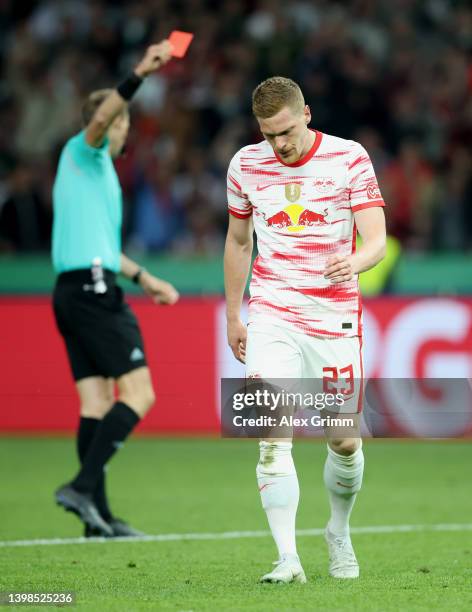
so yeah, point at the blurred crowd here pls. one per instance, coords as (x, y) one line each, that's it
(395, 76)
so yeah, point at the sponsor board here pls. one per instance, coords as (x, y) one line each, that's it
(404, 338)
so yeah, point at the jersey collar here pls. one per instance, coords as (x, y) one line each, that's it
(306, 158)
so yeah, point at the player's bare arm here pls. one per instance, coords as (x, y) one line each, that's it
(237, 262)
(160, 291)
(155, 57)
(370, 224)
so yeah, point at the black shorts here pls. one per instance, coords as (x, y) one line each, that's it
(100, 331)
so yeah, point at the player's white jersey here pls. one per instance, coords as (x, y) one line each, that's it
(303, 213)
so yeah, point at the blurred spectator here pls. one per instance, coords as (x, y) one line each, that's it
(408, 187)
(397, 76)
(25, 219)
(158, 212)
(202, 236)
(452, 217)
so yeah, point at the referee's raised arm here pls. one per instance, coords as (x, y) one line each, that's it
(156, 56)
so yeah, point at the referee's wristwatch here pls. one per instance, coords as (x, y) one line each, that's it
(135, 278)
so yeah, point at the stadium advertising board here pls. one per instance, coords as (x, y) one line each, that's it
(405, 338)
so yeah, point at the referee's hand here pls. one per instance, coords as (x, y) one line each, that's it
(154, 58)
(160, 291)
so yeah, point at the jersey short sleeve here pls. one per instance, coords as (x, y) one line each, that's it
(363, 187)
(238, 202)
(84, 154)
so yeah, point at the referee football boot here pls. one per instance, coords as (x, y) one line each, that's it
(288, 569)
(342, 559)
(82, 505)
(120, 530)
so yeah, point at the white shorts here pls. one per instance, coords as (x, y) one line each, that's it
(274, 352)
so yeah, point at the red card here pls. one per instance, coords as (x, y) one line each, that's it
(180, 42)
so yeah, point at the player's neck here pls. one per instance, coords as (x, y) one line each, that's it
(310, 137)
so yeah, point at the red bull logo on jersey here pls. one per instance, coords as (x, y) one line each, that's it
(296, 218)
(309, 217)
(280, 220)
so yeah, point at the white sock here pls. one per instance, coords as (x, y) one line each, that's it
(343, 479)
(278, 486)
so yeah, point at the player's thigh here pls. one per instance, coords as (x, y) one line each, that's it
(336, 367)
(135, 389)
(272, 355)
(96, 396)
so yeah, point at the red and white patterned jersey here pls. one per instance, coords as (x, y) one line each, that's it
(303, 213)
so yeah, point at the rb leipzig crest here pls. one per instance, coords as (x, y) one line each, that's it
(324, 184)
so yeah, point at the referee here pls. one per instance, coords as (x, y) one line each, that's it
(101, 334)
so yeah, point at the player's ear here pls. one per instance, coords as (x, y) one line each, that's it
(307, 113)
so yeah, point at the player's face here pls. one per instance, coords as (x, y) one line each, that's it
(117, 133)
(287, 132)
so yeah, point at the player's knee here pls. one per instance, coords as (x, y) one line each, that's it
(136, 390)
(139, 399)
(96, 408)
(148, 398)
(275, 459)
(344, 446)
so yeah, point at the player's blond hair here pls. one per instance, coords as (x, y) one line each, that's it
(273, 94)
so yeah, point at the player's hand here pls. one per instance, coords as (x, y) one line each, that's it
(159, 290)
(237, 336)
(154, 58)
(339, 269)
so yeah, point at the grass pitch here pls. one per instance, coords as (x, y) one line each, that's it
(208, 486)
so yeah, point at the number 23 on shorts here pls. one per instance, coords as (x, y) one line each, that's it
(333, 375)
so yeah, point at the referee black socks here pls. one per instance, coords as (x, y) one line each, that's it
(110, 433)
(85, 434)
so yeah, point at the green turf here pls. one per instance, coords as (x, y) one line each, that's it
(181, 486)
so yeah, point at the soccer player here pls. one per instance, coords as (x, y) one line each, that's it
(305, 194)
(101, 334)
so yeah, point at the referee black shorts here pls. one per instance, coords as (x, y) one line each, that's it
(100, 331)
